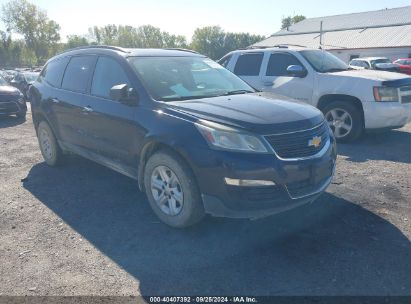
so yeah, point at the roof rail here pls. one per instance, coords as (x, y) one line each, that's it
(107, 47)
(181, 49)
(284, 45)
(256, 47)
(280, 46)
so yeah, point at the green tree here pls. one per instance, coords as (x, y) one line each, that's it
(40, 33)
(74, 41)
(286, 22)
(215, 43)
(145, 36)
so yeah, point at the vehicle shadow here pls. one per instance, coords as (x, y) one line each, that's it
(10, 121)
(331, 247)
(393, 145)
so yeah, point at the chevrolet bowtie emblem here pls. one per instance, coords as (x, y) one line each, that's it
(315, 142)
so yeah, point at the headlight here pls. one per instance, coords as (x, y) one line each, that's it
(386, 94)
(227, 138)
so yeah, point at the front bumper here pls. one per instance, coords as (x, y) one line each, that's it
(297, 182)
(386, 114)
(12, 107)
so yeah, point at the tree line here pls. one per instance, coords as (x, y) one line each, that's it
(40, 37)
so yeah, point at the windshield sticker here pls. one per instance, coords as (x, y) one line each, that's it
(180, 90)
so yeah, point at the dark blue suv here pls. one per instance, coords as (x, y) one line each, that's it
(196, 137)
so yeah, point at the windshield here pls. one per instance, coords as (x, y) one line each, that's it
(2, 81)
(323, 62)
(377, 61)
(179, 78)
(31, 77)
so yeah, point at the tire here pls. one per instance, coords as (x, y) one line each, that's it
(188, 209)
(49, 147)
(21, 114)
(342, 114)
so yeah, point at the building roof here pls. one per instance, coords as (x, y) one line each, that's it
(383, 28)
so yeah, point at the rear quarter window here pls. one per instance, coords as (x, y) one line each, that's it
(53, 72)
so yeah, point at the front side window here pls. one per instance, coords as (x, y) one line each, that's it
(323, 61)
(78, 73)
(249, 64)
(279, 62)
(107, 74)
(53, 72)
(179, 78)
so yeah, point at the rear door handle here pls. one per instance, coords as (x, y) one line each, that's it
(268, 83)
(55, 100)
(87, 110)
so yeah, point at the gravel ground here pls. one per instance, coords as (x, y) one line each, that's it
(82, 229)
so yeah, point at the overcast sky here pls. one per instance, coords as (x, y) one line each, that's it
(184, 16)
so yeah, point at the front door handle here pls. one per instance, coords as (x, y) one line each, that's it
(55, 100)
(268, 83)
(87, 110)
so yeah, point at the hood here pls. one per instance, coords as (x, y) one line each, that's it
(9, 90)
(371, 75)
(262, 113)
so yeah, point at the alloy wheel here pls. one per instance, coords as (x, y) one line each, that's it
(167, 191)
(340, 121)
(46, 144)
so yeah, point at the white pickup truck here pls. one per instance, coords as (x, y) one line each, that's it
(351, 100)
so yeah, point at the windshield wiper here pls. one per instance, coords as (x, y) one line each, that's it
(180, 98)
(335, 70)
(236, 92)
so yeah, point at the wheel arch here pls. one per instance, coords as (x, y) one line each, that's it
(327, 99)
(150, 149)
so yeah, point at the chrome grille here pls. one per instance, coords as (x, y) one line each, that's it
(297, 144)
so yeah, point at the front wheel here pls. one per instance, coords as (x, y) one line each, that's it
(345, 120)
(21, 114)
(172, 190)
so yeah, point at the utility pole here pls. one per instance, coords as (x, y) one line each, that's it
(321, 35)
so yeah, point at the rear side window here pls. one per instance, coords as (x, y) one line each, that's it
(107, 74)
(249, 64)
(279, 62)
(78, 73)
(53, 72)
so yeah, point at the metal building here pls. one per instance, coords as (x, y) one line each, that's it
(384, 33)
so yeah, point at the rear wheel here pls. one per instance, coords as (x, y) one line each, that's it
(345, 120)
(172, 190)
(49, 147)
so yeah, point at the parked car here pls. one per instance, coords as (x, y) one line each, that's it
(405, 65)
(11, 100)
(196, 137)
(375, 63)
(9, 75)
(351, 100)
(23, 81)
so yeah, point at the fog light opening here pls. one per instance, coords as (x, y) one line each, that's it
(248, 182)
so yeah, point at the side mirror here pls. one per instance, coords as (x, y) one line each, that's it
(124, 94)
(296, 71)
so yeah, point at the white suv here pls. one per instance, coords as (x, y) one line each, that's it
(351, 100)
